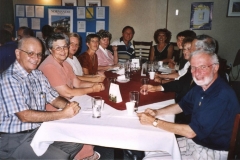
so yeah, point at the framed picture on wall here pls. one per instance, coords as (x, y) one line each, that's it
(233, 8)
(93, 3)
(69, 2)
(201, 15)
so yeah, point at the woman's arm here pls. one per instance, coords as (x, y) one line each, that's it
(152, 54)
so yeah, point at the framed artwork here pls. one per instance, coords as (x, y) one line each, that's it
(69, 2)
(201, 16)
(93, 3)
(233, 8)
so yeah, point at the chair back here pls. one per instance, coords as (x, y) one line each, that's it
(142, 49)
(234, 150)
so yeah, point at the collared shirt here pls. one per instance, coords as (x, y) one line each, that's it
(105, 57)
(19, 91)
(213, 114)
(122, 48)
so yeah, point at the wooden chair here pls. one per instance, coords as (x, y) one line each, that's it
(142, 49)
(234, 150)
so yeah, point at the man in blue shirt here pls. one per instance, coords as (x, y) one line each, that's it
(213, 105)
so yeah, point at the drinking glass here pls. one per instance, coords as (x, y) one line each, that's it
(96, 106)
(134, 97)
(144, 87)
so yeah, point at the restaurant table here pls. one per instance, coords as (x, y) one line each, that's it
(115, 128)
(133, 85)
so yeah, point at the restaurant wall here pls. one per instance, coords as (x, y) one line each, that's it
(147, 16)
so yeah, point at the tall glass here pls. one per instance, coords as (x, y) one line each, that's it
(134, 97)
(144, 87)
(96, 106)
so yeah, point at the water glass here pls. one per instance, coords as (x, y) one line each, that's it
(96, 106)
(134, 97)
(144, 87)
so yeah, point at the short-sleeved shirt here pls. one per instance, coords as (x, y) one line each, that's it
(76, 66)
(213, 114)
(56, 74)
(105, 57)
(86, 62)
(123, 49)
(20, 91)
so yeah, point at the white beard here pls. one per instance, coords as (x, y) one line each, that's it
(205, 81)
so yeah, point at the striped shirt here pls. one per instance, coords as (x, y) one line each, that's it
(19, 91)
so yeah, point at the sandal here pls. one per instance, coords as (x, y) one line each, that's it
(95, 156)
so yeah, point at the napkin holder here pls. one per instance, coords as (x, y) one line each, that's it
(114, 93)
(144, 69)
(121, 71)
(135, 63)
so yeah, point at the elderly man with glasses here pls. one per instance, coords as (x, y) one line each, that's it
(213, 105)
(24, 92)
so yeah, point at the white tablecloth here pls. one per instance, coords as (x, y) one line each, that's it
(114, 129)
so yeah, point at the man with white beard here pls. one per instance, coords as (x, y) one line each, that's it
(213, 105)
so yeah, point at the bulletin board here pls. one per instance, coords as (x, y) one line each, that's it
(80, 19)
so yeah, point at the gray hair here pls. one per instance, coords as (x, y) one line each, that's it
(213, 55)
(57, 36)
(206, 43)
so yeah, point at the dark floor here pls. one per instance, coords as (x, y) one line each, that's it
(107, 153)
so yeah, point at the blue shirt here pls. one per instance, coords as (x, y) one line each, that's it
(213, 114)
(7, 55)
(19, 91)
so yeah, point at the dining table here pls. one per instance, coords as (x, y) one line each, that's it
(115, 128)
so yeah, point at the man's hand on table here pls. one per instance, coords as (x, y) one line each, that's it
(71, 109)
(145, 118)
(152, 88)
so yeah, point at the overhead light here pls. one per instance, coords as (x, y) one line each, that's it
(176, 12)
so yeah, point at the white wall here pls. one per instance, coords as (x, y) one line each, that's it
(148, 15)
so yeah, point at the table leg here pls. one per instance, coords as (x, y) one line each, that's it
(118, 154)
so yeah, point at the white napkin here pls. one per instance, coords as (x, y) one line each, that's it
(144, 67)
(121, 71)
(135, 63)
(114, 93)
(122, 77)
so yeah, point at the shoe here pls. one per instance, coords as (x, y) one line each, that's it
(95, 156)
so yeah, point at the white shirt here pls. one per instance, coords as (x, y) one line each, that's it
(76, 66)
(183, 71)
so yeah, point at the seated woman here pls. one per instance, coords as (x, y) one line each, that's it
(187, 42)
(163, 51)
(88, 59)
(73, 61)
(61, 77)
(106, 60)
(60, 74)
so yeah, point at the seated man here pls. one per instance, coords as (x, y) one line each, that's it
(213, 105)
(125, 48)
(24, 93)
(60, 74)
(73, 61)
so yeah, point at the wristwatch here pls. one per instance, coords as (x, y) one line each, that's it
(155, 122)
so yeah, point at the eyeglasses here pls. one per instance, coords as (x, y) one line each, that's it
(31, 54)
(60, 48)
(201, 68)
(74, 45)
